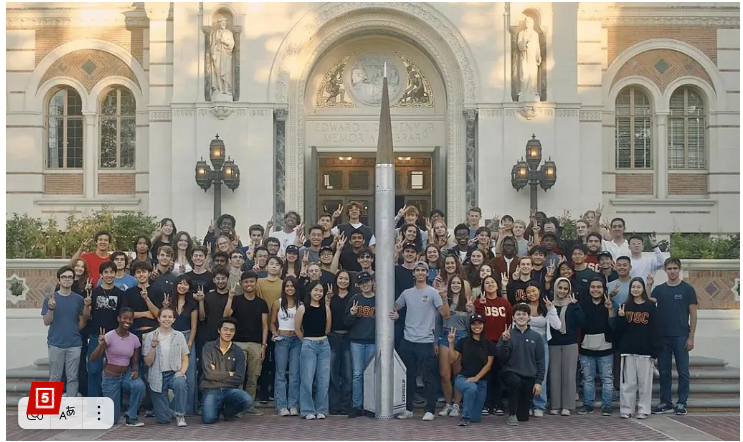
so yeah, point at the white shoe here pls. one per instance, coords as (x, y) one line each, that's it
(428, 416)
(554, 412)
(445, 411)
(454, 411)
(538, 413)
(293, 412)
(565, 412)
(310, 417)
(284, 412)
(320, 416)
(407, 414)
(181, 421)
(531, 412)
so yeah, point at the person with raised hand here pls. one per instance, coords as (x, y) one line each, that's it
(640, 342)
(65, 313)
(476, 354)
(121, 370)
(596, 349)
(360, 317)
(166, 354)
(563, 349)
(523, 362)
(544, 317)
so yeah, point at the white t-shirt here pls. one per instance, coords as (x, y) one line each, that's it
(286, 239)
(165, 351)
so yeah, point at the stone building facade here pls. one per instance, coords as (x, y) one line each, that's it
(638, 104)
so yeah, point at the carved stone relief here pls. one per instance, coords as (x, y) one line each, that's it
(222, 59)
(364, 79)
(418, 92)
(332, 92)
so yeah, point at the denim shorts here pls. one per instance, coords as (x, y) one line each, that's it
(444, 338)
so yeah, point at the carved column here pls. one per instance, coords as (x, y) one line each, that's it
(279, 162)
(470, 116)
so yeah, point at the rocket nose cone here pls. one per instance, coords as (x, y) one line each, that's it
(384, 143)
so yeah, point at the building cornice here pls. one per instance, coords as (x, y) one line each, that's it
(56, 18)
(692, 16)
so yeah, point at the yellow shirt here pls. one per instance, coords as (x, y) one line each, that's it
(269, 290)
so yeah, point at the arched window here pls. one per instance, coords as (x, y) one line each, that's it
(118, 128)
(686, 130)
(633, 130)
(65, 130)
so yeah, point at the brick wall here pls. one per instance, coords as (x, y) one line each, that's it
(634, 183)
(687, 184)
(622, 37)
(63, 183)
(677, 65)
(116, 183)
(132, 40)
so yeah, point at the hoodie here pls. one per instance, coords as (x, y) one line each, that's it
(597, 333)
(523, 354)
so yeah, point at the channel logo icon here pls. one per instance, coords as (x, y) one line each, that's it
(45, 398)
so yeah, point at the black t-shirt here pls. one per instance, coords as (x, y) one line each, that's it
(350, 261)
(517, 291)
(205, 280)
(182, 322)
(133, 299)
(248, 314)
(104, 308)
(338, 312)
(472, 359)
(582, 282)
(214, 305)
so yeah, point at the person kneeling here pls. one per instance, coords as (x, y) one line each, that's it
(521, 352)
(224, 372)
(166, 353)
(477, 354)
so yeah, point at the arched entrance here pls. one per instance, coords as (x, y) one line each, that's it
(418, 25)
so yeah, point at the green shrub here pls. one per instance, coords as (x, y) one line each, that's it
(703, 246)
(24, 237)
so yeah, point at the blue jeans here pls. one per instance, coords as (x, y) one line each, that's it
(287, 352)
(112, 386)
(95, 369)
(341, 371)
(314, 366)
(474, 395)
(676, 346)
(590, 366)
(160, 401)
(360, 355)
(540, 402)
(229, 401)
(191, 388)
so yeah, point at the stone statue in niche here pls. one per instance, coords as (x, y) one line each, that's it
(221, 57)
(366, 77)
(530, 57)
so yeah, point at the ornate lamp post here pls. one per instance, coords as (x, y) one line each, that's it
(225, 172)
(528, 171)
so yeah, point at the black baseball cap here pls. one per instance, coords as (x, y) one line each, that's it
(606, 254)
(477, 318)
(410, 245)
(326, 248)
(292, 249)
(364, 276)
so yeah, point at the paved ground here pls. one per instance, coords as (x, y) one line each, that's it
(594, 427)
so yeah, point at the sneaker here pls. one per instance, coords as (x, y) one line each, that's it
(626, 416)
(486, 411)
(606, 410)
(663, 409)
(680, 410)
(133, 422)
(441, 400)
(531, 412)
(585, 409)
(270, 397)
(577, 397)
(320, 416)
(336, 413)
(538, 413)
(445, 411)
(407, 414)
(310, 417)
(149, 413)
(454, 411)
(499, 410)
(565, 412)
(428, 416)
(554, 412)
(263, 401)
(284, 412)
(355, 412)
(463, 422)
(293, 412)
(512, 420)
(252, 411)
(642, 416)
(180, 421)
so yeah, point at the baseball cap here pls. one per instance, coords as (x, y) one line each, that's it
(477, 318)
(364, 276)
(325, 248)
(606, 254)
(421, 264)
(292, 249)
(410, 245)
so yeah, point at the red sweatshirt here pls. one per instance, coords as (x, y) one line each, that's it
(497, 313)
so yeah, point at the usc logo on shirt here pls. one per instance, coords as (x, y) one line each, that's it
(366, 311)
(521, 295)
(495, 311)
(637, 317)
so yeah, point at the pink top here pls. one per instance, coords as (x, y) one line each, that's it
(119, 351)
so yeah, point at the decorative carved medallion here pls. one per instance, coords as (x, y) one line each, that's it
(364, 79)
(222, 112)
(528, 112)
(16, 289)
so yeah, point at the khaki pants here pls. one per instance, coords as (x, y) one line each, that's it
(252, 352)
(636, 376)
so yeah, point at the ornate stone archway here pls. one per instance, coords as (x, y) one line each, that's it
(323, 28)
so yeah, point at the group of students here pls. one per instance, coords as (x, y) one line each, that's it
(475, 316)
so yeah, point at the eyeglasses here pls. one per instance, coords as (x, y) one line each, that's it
(66, 277)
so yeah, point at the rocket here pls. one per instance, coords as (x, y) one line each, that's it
(384, 200)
